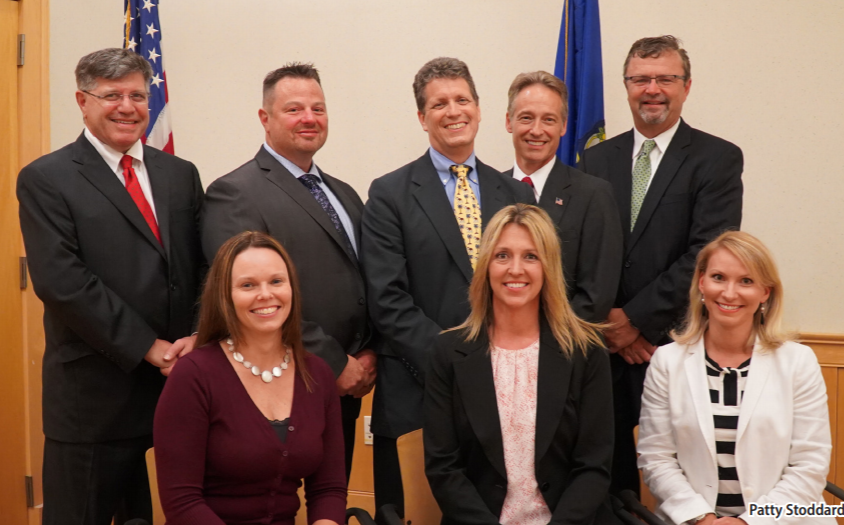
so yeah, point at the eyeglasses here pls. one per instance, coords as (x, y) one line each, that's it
(114, 99)
(661, 80)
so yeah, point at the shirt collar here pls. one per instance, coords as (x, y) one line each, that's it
(539, 176)
(295, 170)
(110, 155)
(443, 164)
(662, 140)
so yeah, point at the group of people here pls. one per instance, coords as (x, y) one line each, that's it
(514, 316)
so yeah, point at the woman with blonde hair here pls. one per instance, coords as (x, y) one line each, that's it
(518, 399)
(733, 413)
(249, 414)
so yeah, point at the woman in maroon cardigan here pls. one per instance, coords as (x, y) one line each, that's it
(247, 416)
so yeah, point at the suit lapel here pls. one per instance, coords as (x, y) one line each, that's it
(760, 369)
(620, 172)
(492, 196)
(286, 182)
(551, 391)
(160, 183)
(695, 367)
(671, 161)
(473, 375)
(557, 186)
(431, 196)
(96, 171)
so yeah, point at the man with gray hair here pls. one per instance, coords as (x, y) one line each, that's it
(676, 189)
(111, 233)
(421, 231)
(581, 206)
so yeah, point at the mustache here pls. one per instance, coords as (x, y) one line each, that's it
(657, 98)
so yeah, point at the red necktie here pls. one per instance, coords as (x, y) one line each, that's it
(527, 181)
(134, 189)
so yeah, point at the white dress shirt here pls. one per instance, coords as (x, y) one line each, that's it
(112, 157)
(538, 177)
(662, 141)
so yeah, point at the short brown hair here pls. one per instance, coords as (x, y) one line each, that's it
(217, 316)
(442, 67)
(544, 78)
(111, 64)
(654, 46)
(289, 70)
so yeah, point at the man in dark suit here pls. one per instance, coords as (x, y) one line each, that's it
(316, 218)
(112, 241)
(581, 206)
(676, 189)
(421, 230)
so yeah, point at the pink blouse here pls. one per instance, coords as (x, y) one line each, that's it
(515, 374)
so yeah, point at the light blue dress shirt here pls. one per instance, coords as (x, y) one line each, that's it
(443, 166)
(297, 172)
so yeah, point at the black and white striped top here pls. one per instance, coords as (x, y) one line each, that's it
(726, 390)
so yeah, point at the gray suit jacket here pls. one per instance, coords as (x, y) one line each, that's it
(583, 209)
(263, 196)
(418, 275)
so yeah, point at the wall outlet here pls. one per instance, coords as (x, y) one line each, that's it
(367, 434)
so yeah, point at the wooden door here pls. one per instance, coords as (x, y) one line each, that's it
(13, 509)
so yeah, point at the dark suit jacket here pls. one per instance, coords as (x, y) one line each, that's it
(109, 288)
(464, 453)
(590, 237)
(263, 196)
(418, 275)
(695, 194)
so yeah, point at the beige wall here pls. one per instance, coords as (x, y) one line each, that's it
(767, 76)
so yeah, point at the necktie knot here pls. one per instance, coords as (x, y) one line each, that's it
(310, 180)
(648, 146)
(126, 162)
(461, 171)
(527, 180)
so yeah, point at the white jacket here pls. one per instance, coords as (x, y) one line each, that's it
(783, 442)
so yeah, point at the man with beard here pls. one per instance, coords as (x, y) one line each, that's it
(676, 189)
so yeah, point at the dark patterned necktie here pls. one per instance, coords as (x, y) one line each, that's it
(312, 183)
(137, 194)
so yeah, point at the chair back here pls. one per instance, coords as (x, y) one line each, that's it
(420, 507)
(157, 513)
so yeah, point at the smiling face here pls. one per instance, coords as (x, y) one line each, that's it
(296, 123)
(537, 124)
(261, 292)
(116, 125)
(731, 295)
(451, 117)
(515, 271)
(656, 108)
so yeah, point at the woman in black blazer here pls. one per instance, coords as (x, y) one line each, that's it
(520, 392)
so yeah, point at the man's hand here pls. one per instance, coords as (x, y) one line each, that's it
(724, 521)
(353, 378)
(640, 351)
(180, 348)
(621, 334)
(367, 358)
(158, 356)
(709, 519)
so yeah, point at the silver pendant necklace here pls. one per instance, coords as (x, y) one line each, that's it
(267, 375)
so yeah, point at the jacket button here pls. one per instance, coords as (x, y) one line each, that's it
(357, 337)
(290, 428)
(173, 287)
(361, 301)
(284, 453)
(545, 486)
(627, 264)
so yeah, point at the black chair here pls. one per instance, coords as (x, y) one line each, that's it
(835, 490)
(361, 515)
(630, 510)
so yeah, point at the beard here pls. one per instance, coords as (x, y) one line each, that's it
(650, 117)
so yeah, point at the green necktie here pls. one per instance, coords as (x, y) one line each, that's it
(641, 177)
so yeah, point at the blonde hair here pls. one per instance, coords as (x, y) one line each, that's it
(570, 331)
(760, 264)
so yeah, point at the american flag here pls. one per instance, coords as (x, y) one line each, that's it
(142, 34)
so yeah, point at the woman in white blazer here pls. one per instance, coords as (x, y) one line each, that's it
(733, 415)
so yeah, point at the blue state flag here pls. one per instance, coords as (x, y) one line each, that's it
(579, 66)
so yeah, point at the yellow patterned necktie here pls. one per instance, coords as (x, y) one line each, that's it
(467, 212)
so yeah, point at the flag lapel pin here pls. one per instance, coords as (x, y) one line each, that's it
(558, 201)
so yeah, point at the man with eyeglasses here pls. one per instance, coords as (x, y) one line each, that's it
(111, 233)
(676, 189)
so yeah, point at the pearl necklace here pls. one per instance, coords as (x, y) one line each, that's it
(266, 376)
